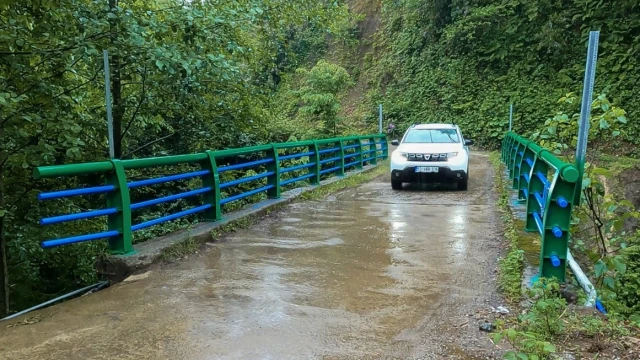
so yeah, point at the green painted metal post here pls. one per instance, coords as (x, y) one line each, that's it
(274, 166)
(341, 154)
(535, 185)
(120, 221)
(360, 158)
(525, 168)
(213, 181)
(373, 155)
(315, 158)
(557, 218)
(512, 158)
(517, 164)
(385, 147)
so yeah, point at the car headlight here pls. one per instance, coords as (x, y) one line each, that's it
(404, 155)
(451, 155)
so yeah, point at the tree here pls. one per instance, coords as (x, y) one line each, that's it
(324, 85)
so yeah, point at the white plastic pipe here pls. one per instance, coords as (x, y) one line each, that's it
(588, 288)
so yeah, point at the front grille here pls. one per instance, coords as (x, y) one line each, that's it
(427, 157)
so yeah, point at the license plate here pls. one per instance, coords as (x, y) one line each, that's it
(426, 169)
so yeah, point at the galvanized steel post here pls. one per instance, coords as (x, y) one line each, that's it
(585, 109)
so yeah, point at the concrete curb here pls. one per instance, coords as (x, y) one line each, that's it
(117, 267)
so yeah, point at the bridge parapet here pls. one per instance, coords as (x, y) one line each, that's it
(547, 185)
(270, 168)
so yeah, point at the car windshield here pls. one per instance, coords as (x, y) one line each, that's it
(432, 136)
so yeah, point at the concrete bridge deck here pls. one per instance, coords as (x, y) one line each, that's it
(366, 273)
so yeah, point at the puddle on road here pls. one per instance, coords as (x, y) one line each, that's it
(373, 274)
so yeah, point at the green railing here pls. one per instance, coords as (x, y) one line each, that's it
(547, 185)
(314, 160)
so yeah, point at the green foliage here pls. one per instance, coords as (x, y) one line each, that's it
(185, 77)
(466, 60)
(560, 133)
(324, 85)
(512, 265)
(536, 328)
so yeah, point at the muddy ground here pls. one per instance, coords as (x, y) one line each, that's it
(367, 273)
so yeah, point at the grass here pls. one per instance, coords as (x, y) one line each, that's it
(512, 265)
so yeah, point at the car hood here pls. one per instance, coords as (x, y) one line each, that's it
(429, 148)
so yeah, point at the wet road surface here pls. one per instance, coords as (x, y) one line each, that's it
(366, 273)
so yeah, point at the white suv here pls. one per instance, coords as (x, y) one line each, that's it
(434, 153)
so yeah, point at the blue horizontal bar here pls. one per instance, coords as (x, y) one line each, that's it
(538, 220)
(329, 170)
(527, 178)
(543, 178)
(76, 239)
(297, 167)
(540, 200)
(328, 150)
(161, 200)
(329, 160)
(351, 164)
(295, 156)
(557, 232)
(244, 195)
(78, 216)
(518, 166)
(289, 181)
(160, 220)
(350, 146)
(529, 161)
(76, 192)
(555, 260)
(562, 202)
(244, 165)
(246, 179)
(164, 179)
(521, 153)
(351, 155)
(526, 193)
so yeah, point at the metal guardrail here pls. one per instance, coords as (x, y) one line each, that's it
(547, 184)
(325, 158)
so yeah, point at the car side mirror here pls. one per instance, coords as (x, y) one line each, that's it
(468, 142)
(395, 143)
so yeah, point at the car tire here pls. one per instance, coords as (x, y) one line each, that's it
(396, 185)
(464, 183)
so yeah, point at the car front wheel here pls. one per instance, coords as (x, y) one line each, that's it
(396, 185)
(464, 183)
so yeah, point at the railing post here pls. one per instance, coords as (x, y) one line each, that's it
(315, 158)
(341, 153)
(274, 166)
(525, 168)
(214, 213)
(557, 223)
(517, 166)
(383, 147)
(535, 185)
(120, 221)
(360, 158)
(373, 151)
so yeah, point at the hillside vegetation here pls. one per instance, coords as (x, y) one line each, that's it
(464, 61)
(186, 76)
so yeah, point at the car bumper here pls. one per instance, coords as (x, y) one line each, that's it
(444, 174)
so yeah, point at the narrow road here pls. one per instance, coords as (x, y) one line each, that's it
(366, 273)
